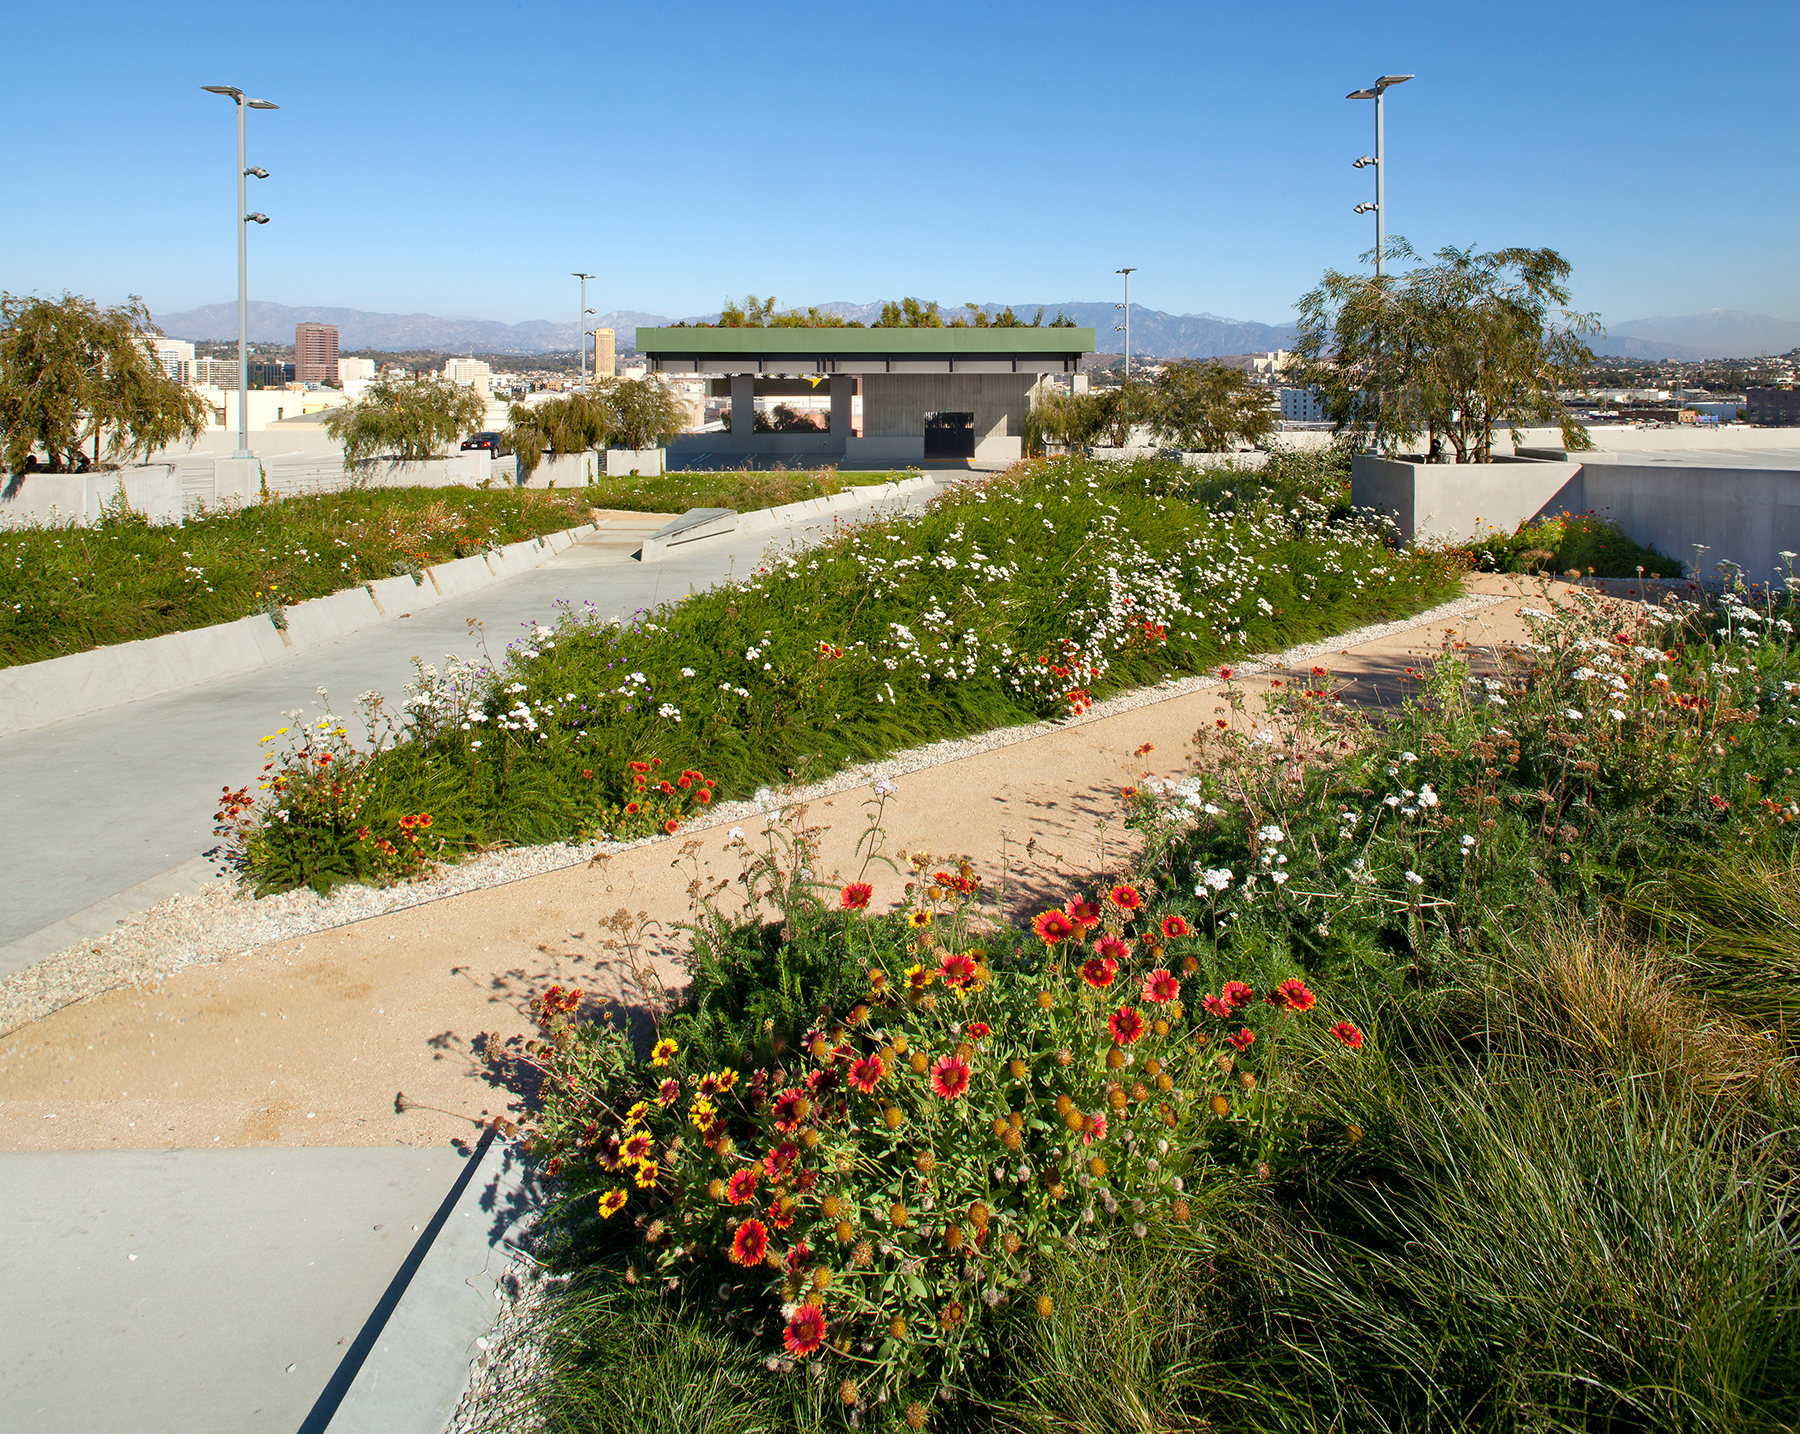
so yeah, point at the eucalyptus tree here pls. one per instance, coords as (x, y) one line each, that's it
(73, 375)
(1450, 351)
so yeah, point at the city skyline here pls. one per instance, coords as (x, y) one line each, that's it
(714, 156)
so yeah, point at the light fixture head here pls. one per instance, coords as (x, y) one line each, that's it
(1361, 94)
(1364, 162)
(262, 104)
(574, 275)
(258, 171)
(231, 91)
(1367, 208)
(256, 219)
(1387, 80)
(1131, 270)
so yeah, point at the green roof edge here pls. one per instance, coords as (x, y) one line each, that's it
(740, 342)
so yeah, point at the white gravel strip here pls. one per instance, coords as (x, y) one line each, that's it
(223, 921)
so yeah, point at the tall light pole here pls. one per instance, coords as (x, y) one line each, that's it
(1127, 307)
(236, 96)
(581, 328)
(1378, 159)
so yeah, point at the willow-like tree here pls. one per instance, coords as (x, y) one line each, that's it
(410, 418)
(1451, 351)
(75, 376)
(614, 413)
(1210, 406)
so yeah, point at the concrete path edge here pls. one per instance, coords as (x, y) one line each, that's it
(40, 694)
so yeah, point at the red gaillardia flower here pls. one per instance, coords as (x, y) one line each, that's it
(741, 1188)
(1126, 898)
(1173, 926)
(949, 1077)
(1348, 1034)
(1085, 914)
(781, 1159)
(668, 1092)
(857, 895)
(1224, 674)
(1292, 995)
(787, 1110)
(805, 1331)
(977, 1030)
(1236, 995)
(1161, 987)
(1111, 948)
(1053, 926)
(1125, 1025)
(1243, 1040)
(866, 1074)
(750, 1244)
(957, 971)
(1099, 971)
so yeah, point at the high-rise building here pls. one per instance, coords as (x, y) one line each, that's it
(351, 369)
(469, 372)
(316, 353)
(603, 353)
(174, 356)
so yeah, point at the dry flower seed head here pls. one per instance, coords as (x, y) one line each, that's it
(897, 1216)
(1010, 1242)
(845, 1234)
(829, 1207)
(1016, 1069)
(1045, 1306)
(802, 1108)
(863, 1255)
(821, 1277)
(1160, 1026)
(772, 1260)
(715, 1190)
(1165, 1081)
(1012, 1140)
(1190, 965)
(979, 1215)
(1065, 1057)
(1058, 1190)
(915, 1412)
(847, 1393)
(892, 1117)
(1153, 1066)
(1097, 1168)
(846, 1162)
(918, 1063)
(1224, 1062)
(925, 1162)
(965, 1051)
(810, 1139)
(1115, 1059)
(1247, 1079)
(999, 1127)
(858, 1014)
(1064, 1105)
(725, 1147)
(899, 1045)
(1221, 1105)
(1075, 1120)
(897, 1328)
(1045, 1000)
(1140, 1091)
(953, 1237)
(1015, 1119)
(1116, 1098)
(1264, 1170)
(952, 1315)
(1180, 1211)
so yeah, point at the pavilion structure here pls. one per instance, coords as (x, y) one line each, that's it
(927, 394)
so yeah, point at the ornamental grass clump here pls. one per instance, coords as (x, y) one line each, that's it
(1022, 598)
(875, 1192)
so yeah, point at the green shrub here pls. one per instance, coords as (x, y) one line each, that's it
(1590, 543)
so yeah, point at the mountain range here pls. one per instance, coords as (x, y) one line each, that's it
(1717, 333)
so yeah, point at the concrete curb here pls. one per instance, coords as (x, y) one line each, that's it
(719, 522)
(39, 694)
(407, 1369)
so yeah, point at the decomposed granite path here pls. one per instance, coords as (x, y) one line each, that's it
(388, 1031)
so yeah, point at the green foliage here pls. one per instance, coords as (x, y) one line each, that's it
(1046, 586)
(1451, 351)
(1590, 543)
(744, 489)
(67, 589)
(614, 413)
(1210, 406)
(412, 418)
(72, 372)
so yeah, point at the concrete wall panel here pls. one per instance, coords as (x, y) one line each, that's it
(895, 405)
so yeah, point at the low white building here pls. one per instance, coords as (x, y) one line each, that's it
(1302, 405)
(470, 373)
(174, 356)
(355, 368)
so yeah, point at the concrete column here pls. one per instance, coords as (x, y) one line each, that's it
(743, 405)
(843, 390)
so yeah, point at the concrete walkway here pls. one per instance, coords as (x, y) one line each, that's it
(108, 813)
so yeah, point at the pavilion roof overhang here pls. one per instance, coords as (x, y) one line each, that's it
(859, 351)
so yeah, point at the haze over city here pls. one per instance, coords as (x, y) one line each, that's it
(461, 166)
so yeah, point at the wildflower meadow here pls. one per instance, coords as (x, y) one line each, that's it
(1019, 598)
(1426, 1070)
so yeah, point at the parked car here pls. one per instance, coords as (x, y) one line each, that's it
(490, 441)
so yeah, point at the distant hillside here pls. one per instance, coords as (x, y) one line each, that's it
(274, 323)
(1717, 333)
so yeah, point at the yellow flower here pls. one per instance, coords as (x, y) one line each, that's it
(611, 1203)
(663, 1052)
(645, 1173)
(701, 1114)
(727, 1079)
(637, 1112)
(918, 919)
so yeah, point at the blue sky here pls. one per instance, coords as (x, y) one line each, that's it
(461, 159)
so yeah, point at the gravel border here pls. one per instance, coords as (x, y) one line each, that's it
(222, 921)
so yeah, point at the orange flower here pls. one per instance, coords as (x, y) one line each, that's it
(781, 1159)
(957, 971)
(1125, 1025)
(1174, 926)
(1161, 987)
(949, 1077)
(671, 826)
(1292, 995)
(1099, 972)
(750, 1244)
(866, 1074)
(1236, 995)
(856, 895)
(1348, 1034)
(741, 1189)
(1085, 914)
(805, 1331)
(978, 1030)
(1243, 1040)
(1126, 898)
(1053, 927)
(1111, 948)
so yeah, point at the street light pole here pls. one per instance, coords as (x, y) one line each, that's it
(1377, 92)
(237, 97)
(1127, 273)
(581, 328)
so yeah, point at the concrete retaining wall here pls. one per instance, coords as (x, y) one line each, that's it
(152, 489)
(1454, 502)
(242, 479)
(37, 694)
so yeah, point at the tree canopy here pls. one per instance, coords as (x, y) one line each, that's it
(1210, 406)
(72, 373)
(614, 413)
(1450, 351)
(413, 418)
